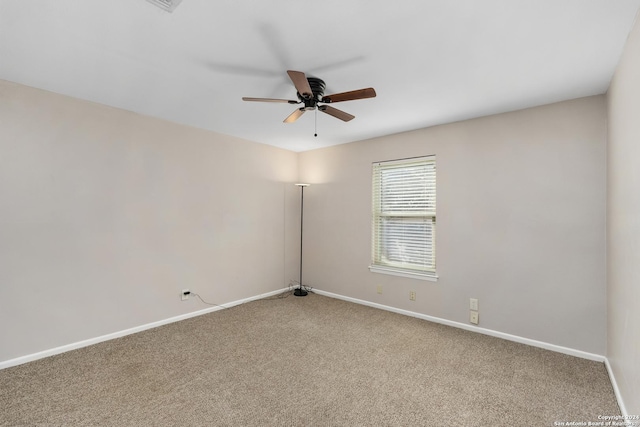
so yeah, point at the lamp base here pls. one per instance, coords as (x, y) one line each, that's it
(299, 292)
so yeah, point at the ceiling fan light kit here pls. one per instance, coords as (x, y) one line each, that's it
(310, 93)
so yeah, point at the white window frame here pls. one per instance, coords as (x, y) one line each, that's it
(393, 202)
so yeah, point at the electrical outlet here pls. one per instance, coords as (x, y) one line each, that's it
(412, 295)
(184, 295)
(474, 317)
(379, 289)
(473, 304)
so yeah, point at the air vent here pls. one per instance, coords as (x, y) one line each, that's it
(168, 5)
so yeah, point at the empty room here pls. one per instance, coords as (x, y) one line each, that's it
(286, 213)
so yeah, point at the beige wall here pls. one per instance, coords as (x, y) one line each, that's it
(623, 224)
(106, 215)
(521, 222)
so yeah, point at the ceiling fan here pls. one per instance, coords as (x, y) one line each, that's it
(311, 94)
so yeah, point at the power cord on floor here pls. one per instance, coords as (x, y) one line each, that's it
(208, 303)
(289, 291)
(281, 295)
(305, 287)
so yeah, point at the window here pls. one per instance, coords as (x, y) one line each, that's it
(404, 218)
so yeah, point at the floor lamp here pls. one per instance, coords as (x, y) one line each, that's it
(300, 292)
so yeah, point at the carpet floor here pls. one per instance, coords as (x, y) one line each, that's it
(312, 361)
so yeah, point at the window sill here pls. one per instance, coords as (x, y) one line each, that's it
(422, 275)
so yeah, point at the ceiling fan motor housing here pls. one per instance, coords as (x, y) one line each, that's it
(317, 87)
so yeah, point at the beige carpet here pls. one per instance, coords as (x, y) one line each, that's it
(312, 361)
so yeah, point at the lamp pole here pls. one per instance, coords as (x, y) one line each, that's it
(300, 292)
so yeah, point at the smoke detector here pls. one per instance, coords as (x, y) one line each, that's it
(168, 5)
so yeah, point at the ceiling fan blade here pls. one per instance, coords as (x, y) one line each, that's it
(294, 116)
(345, 117)
(301, 83)
(350, 96)
(284, 101)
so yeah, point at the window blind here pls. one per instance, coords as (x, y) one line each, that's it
(404, 214)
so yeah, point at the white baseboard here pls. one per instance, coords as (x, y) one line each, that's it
(509, 337)
(73, 346)
(616, 390)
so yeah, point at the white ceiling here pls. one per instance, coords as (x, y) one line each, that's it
(430, 61)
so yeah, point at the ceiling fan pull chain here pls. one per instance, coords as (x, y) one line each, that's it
(315, 133)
